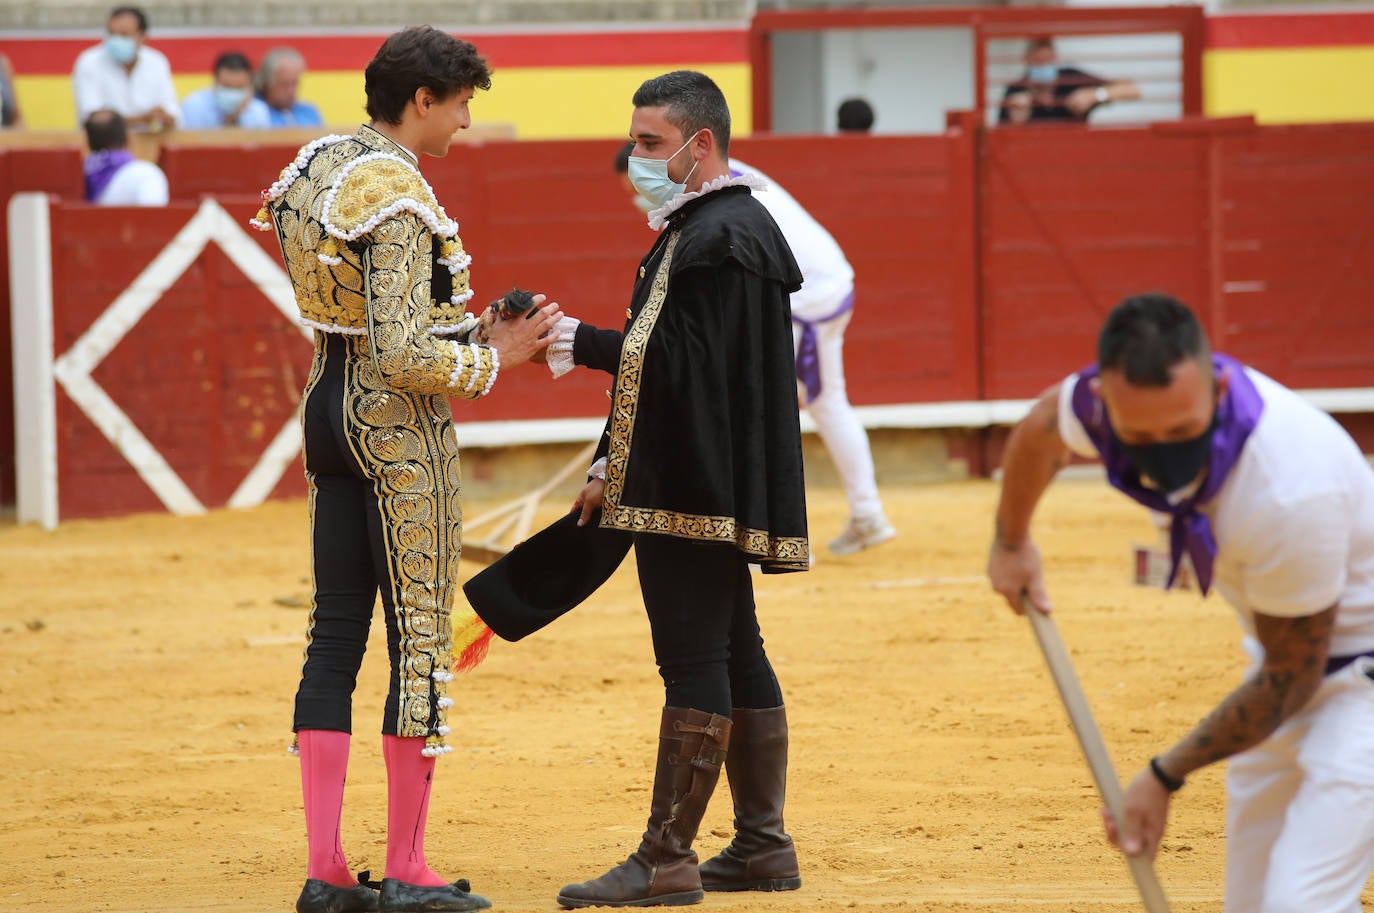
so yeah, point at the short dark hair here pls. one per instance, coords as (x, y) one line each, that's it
(1040, 42)
(420, 57)
(693, 103)
(106, 129)
(134, 11)
(1146, 336)
(232, 61)
(622, 158)
(854, 114)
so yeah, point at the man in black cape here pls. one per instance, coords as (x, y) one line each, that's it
(700, 466)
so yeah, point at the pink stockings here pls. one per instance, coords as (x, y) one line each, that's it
(324, 764)
(409, 776)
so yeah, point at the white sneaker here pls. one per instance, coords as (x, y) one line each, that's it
(862, 534)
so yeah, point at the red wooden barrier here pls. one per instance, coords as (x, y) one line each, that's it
(1296, 251)
(173, 380)
(984, 263)
(56, 171)
(1073, 221)
(902, 210)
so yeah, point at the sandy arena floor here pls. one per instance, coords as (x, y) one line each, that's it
(148, 664)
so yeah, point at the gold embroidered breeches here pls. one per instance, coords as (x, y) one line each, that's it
(386, 516)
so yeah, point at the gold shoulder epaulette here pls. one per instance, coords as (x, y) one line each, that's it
(378, 186)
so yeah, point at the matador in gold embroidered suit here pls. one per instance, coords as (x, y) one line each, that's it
(380, 274)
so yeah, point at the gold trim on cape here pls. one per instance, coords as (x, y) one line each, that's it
(787, 550)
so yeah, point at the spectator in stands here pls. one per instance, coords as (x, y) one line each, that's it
(113, 176)
(125, 76)
(855, 115)
(9, 102)
(1050, 92)
(229, 102)
(278, 77)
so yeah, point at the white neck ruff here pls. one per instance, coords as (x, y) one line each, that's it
(659, 217)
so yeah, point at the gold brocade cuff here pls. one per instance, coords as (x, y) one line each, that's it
(476, 370)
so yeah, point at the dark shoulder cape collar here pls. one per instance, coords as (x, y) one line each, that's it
(373, 139)
(727, 224)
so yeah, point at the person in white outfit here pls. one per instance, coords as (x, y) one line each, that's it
(113, 176)
(821, 311)
(1273, 503)
(125, 75)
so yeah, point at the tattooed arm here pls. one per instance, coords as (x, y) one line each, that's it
(1033, 455)
(1293, 549)
(1295, 651)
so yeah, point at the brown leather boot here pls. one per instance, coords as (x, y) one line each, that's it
(761, 857)
(663, 871)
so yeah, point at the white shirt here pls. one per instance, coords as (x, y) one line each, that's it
(138, 183)
(827, 276)
(1293, 522)
(98, 82)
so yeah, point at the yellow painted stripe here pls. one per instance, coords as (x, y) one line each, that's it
(1290, 85)
(542, 102)
(1277, 85)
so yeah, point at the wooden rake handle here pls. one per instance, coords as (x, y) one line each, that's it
(1094, 749)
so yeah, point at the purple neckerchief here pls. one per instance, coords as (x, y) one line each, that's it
(100, 168)
(809, 353)
(1190, 530)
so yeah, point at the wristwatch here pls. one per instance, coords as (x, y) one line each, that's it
(1102, 96)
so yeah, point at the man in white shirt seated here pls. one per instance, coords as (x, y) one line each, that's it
(123, 75)
(230, 101)
(1270, 500)
(113, 176)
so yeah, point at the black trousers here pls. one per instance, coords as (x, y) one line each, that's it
(349, 561)
(700, 600)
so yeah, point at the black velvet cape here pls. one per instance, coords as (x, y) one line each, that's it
(703, 440)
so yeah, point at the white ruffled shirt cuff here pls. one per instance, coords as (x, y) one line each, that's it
(560, 352)
(598, 470)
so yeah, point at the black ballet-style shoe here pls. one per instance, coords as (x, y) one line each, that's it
(322, 897)
(400, 897)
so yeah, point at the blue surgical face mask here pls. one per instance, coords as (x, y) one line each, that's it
(228, 100)
(121, 48)
(650, 177)
(1042, 72)
(644, 204)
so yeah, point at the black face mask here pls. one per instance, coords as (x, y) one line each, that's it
(1173, 465)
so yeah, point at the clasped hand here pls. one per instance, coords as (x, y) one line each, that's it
(522, 339)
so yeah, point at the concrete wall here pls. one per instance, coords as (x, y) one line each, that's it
(318, 15)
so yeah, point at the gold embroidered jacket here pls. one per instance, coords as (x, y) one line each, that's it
(379, 272)
(357, 222)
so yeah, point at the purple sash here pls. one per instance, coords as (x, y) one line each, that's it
(809, 353)
(1190, 530)
(100, 168)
